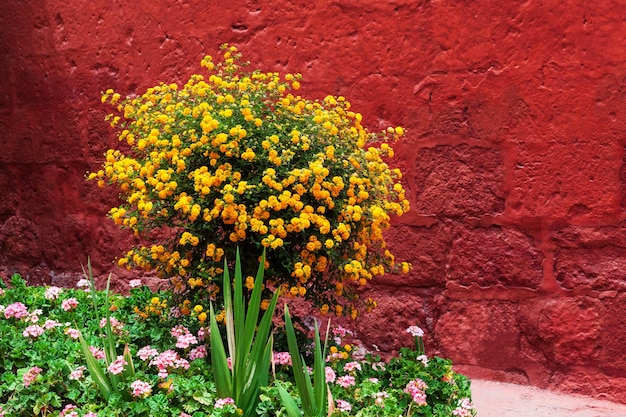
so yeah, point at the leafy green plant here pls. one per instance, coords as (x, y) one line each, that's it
(41, 370)
(107, 382)
(249, 346)
(313, 397)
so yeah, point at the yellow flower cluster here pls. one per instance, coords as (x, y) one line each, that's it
(235, 159)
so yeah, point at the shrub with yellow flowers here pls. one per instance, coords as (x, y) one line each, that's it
(236, 159)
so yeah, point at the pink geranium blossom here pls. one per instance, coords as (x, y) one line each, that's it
(346, 381)
(221, 402)
(33, 331)
(52, 293)
(197, 353)
(417, 390)
(77, 373)
(141, 388)
(282, 358)
(343, 406)
(16, 310)
(69, 304)
(352, 367)
(464, 408)
(146, 353)
(330, 375)
(31, 375)
(68, 411)
(73, 333)
(415, 331)
(117, 367)
(97, 353)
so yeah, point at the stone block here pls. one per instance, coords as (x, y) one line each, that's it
(494, 255)
(571, 330)
(485, 333)
(458, 181)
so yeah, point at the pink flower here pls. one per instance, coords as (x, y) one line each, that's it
(282, 358)
(202, 333)
(343, 406)
(33, 331)
(221, 402)
(346, 381)
(77, 373)
(415, 331)
(464, 409)
(166, 360)
(197, 353)
(183, 336)
(52, 293)
(97, 353)
(34, 316)
(423, 359)
(181, 415)
(379, 398)
(146, 353)
(117, 367)
(73, 333)
(68, 411)
(416, 389)
(141, 388)
(31, 375)
(330, 375)
(352, 366)
(17, 310)
(116, 326)
(69, 304)
(91, 414)
(51, 324)
(134, 283)
(83, 283)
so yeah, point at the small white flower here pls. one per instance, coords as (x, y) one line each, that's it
(415, 331)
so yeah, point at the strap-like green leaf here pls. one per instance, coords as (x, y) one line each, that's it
(221, 374)
(95, 370)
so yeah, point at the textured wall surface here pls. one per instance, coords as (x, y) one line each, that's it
(514, 158)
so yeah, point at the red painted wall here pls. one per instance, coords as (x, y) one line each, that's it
(514, 157)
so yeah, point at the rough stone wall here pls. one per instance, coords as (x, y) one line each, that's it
(514, 159)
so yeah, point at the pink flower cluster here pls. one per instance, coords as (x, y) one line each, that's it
(282, 358)
(116, 326)
(52, 293)
(147, 352)
(73, 333)
(97, 353)
(464, 409)
(33, 331)
(168, 360)
(51, 324)
(331, 376)
(221, 402)
(77, 373)
(31, 375)
(415, 331)
(197, 353)
(117, 366)
(69, 304)
(134, 283)
(352, 367)
(141, 388)
(416, 389)
(69, 411)
(183, 336)
(16, 310)
(343, 406)
(346, 381)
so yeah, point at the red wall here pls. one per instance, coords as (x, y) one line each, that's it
(514, 158)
